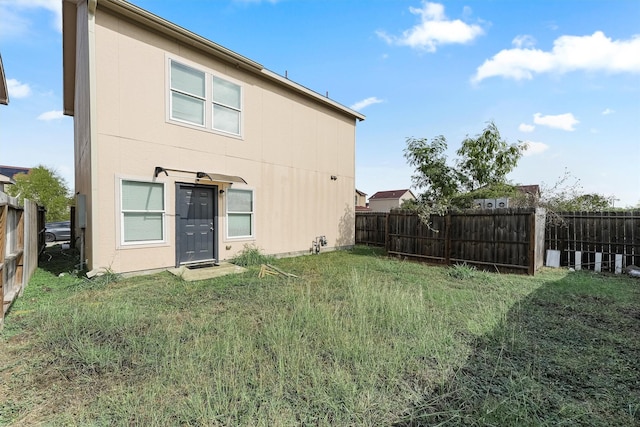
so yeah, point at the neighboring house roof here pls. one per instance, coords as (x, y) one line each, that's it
(391, 194)
(171, 30)
(362, 209)
(11, 171)
(529, 189)
(6, 180)
(4, 91)
(360, 193)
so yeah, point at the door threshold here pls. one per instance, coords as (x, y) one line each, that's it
(201, 264)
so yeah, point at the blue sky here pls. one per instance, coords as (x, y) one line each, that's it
(563, 76)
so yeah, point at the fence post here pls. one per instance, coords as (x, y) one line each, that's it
(447, 238)
(532, 243)
(386, 232)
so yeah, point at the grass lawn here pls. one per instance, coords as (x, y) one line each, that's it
(356, 339)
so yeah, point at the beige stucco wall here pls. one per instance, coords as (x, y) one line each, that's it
(383, 205)
(291, 146)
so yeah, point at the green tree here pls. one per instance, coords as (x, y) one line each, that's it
(439, 180)
(45, 187)
(482, 167)
(487, 158)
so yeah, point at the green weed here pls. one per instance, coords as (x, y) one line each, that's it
(251, 255)
(357, 339)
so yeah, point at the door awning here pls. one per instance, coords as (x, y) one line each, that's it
(211, 176)
(218, 177)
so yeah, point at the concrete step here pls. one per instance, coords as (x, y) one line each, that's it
(204, 273)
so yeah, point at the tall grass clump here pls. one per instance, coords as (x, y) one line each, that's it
(462, 271)
(89, 339)
(251, 255)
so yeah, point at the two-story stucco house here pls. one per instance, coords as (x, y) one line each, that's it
(186, 151)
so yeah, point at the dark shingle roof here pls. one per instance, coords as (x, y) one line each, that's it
(390, 194)
(10, 171)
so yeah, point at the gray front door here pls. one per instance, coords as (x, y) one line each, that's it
(196, 223)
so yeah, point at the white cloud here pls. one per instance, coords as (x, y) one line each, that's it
(526, 128)
(570, 53)
(523, 41)
(14, 21)
(533, 148)
(607, 111)
(365, 103)
(17, 89)
(11, 24)
(561, 121)
(51, 115)
(434, 29)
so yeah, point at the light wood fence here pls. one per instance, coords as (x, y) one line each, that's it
(21, 240)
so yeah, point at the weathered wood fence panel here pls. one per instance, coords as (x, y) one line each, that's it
(20, 233)
(371, 228)
(600, 241)
(506, 239)
(407, 236)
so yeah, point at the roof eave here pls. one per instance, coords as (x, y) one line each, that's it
(139, 15)
(4, 91)
(69, 17)
(166, 27)
(163, 26)
(310, 93)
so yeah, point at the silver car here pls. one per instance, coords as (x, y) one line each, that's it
(57, 231)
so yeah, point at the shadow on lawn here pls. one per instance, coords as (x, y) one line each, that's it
(56, 260)
(566, 355)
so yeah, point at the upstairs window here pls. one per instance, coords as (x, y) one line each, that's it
(226, 106)
(203, 99)
(187, 94)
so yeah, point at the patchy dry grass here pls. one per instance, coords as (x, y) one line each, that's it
(356, 339)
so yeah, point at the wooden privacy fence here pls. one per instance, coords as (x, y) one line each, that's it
(599, 241)
(21, 237)
(504, 239)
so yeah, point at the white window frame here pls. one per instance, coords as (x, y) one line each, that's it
(250, 213)
(230, 107)
(163, 213)
(187, 94)
(208, 100)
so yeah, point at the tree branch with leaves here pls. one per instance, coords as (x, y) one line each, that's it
(45, 187)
